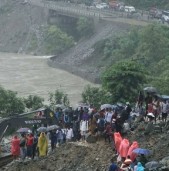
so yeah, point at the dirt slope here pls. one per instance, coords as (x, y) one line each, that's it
(71, 157)
(17, 20)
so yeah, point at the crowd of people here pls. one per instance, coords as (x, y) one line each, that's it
(109, 123)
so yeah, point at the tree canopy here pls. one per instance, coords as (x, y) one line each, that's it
(85, 26)
(95, 96)
(123, 80)
(58, 97)
(137, 57)
(33, 102)
(56, 41)
(10, 103)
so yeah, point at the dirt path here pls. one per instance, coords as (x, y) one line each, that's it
(28, 74)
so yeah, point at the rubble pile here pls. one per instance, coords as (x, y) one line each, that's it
(79, 156)
(70, 157)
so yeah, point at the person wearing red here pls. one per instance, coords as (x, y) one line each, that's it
(29, 145)
(15, 148)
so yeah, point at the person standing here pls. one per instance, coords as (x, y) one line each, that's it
(59, 134)
(15, 148)
(113, 166)
(84, 127)
(23, 146)
(164, 109)
(69, 134)
(53, 138)
(108, 116)
(34, 147)
(29, 145)
(42, 145)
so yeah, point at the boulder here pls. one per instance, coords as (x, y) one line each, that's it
(91, 139)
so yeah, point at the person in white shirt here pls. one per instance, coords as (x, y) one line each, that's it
(126, 127)
(108, 115)
(84, 127)
(69, 134)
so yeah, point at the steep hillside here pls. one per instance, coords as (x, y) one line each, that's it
(17, 22)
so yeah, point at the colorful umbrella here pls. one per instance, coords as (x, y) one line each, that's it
(141, 151)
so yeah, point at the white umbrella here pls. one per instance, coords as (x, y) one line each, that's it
(23, 130)
(104, 106)
(151, 115)
(60, 106)
(42, 129)
(150, 89)
(152, 165)
(52, 127)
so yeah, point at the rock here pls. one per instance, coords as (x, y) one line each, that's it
(157, 129)
(91, 139)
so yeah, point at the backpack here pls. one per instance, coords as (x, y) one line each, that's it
(22, 143)
(101, 123)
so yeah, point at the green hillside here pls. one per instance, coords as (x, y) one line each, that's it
(148, 47)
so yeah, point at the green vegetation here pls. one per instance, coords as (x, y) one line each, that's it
(134, 59)
(33, 43)
(123, 80)
(10, 103)
(58, 97)
(7, 8)
(85, 26)
(95, 96)
(148, 3)
(87, 2)
(56, 41)
(33, 102)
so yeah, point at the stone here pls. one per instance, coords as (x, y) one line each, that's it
(91, 139)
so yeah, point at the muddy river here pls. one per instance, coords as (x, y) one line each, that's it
(31, 75)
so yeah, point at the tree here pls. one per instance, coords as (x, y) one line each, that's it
(95, 96)
(9, 103)
(147, 3)
(58, 97)
(123, 80)
(56, 41)
(153, 44)
(87, 2)
(33, 102)
(85, 26)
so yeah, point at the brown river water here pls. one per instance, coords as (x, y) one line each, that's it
(31, 75)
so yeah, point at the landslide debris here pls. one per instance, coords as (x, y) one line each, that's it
(70, 157)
